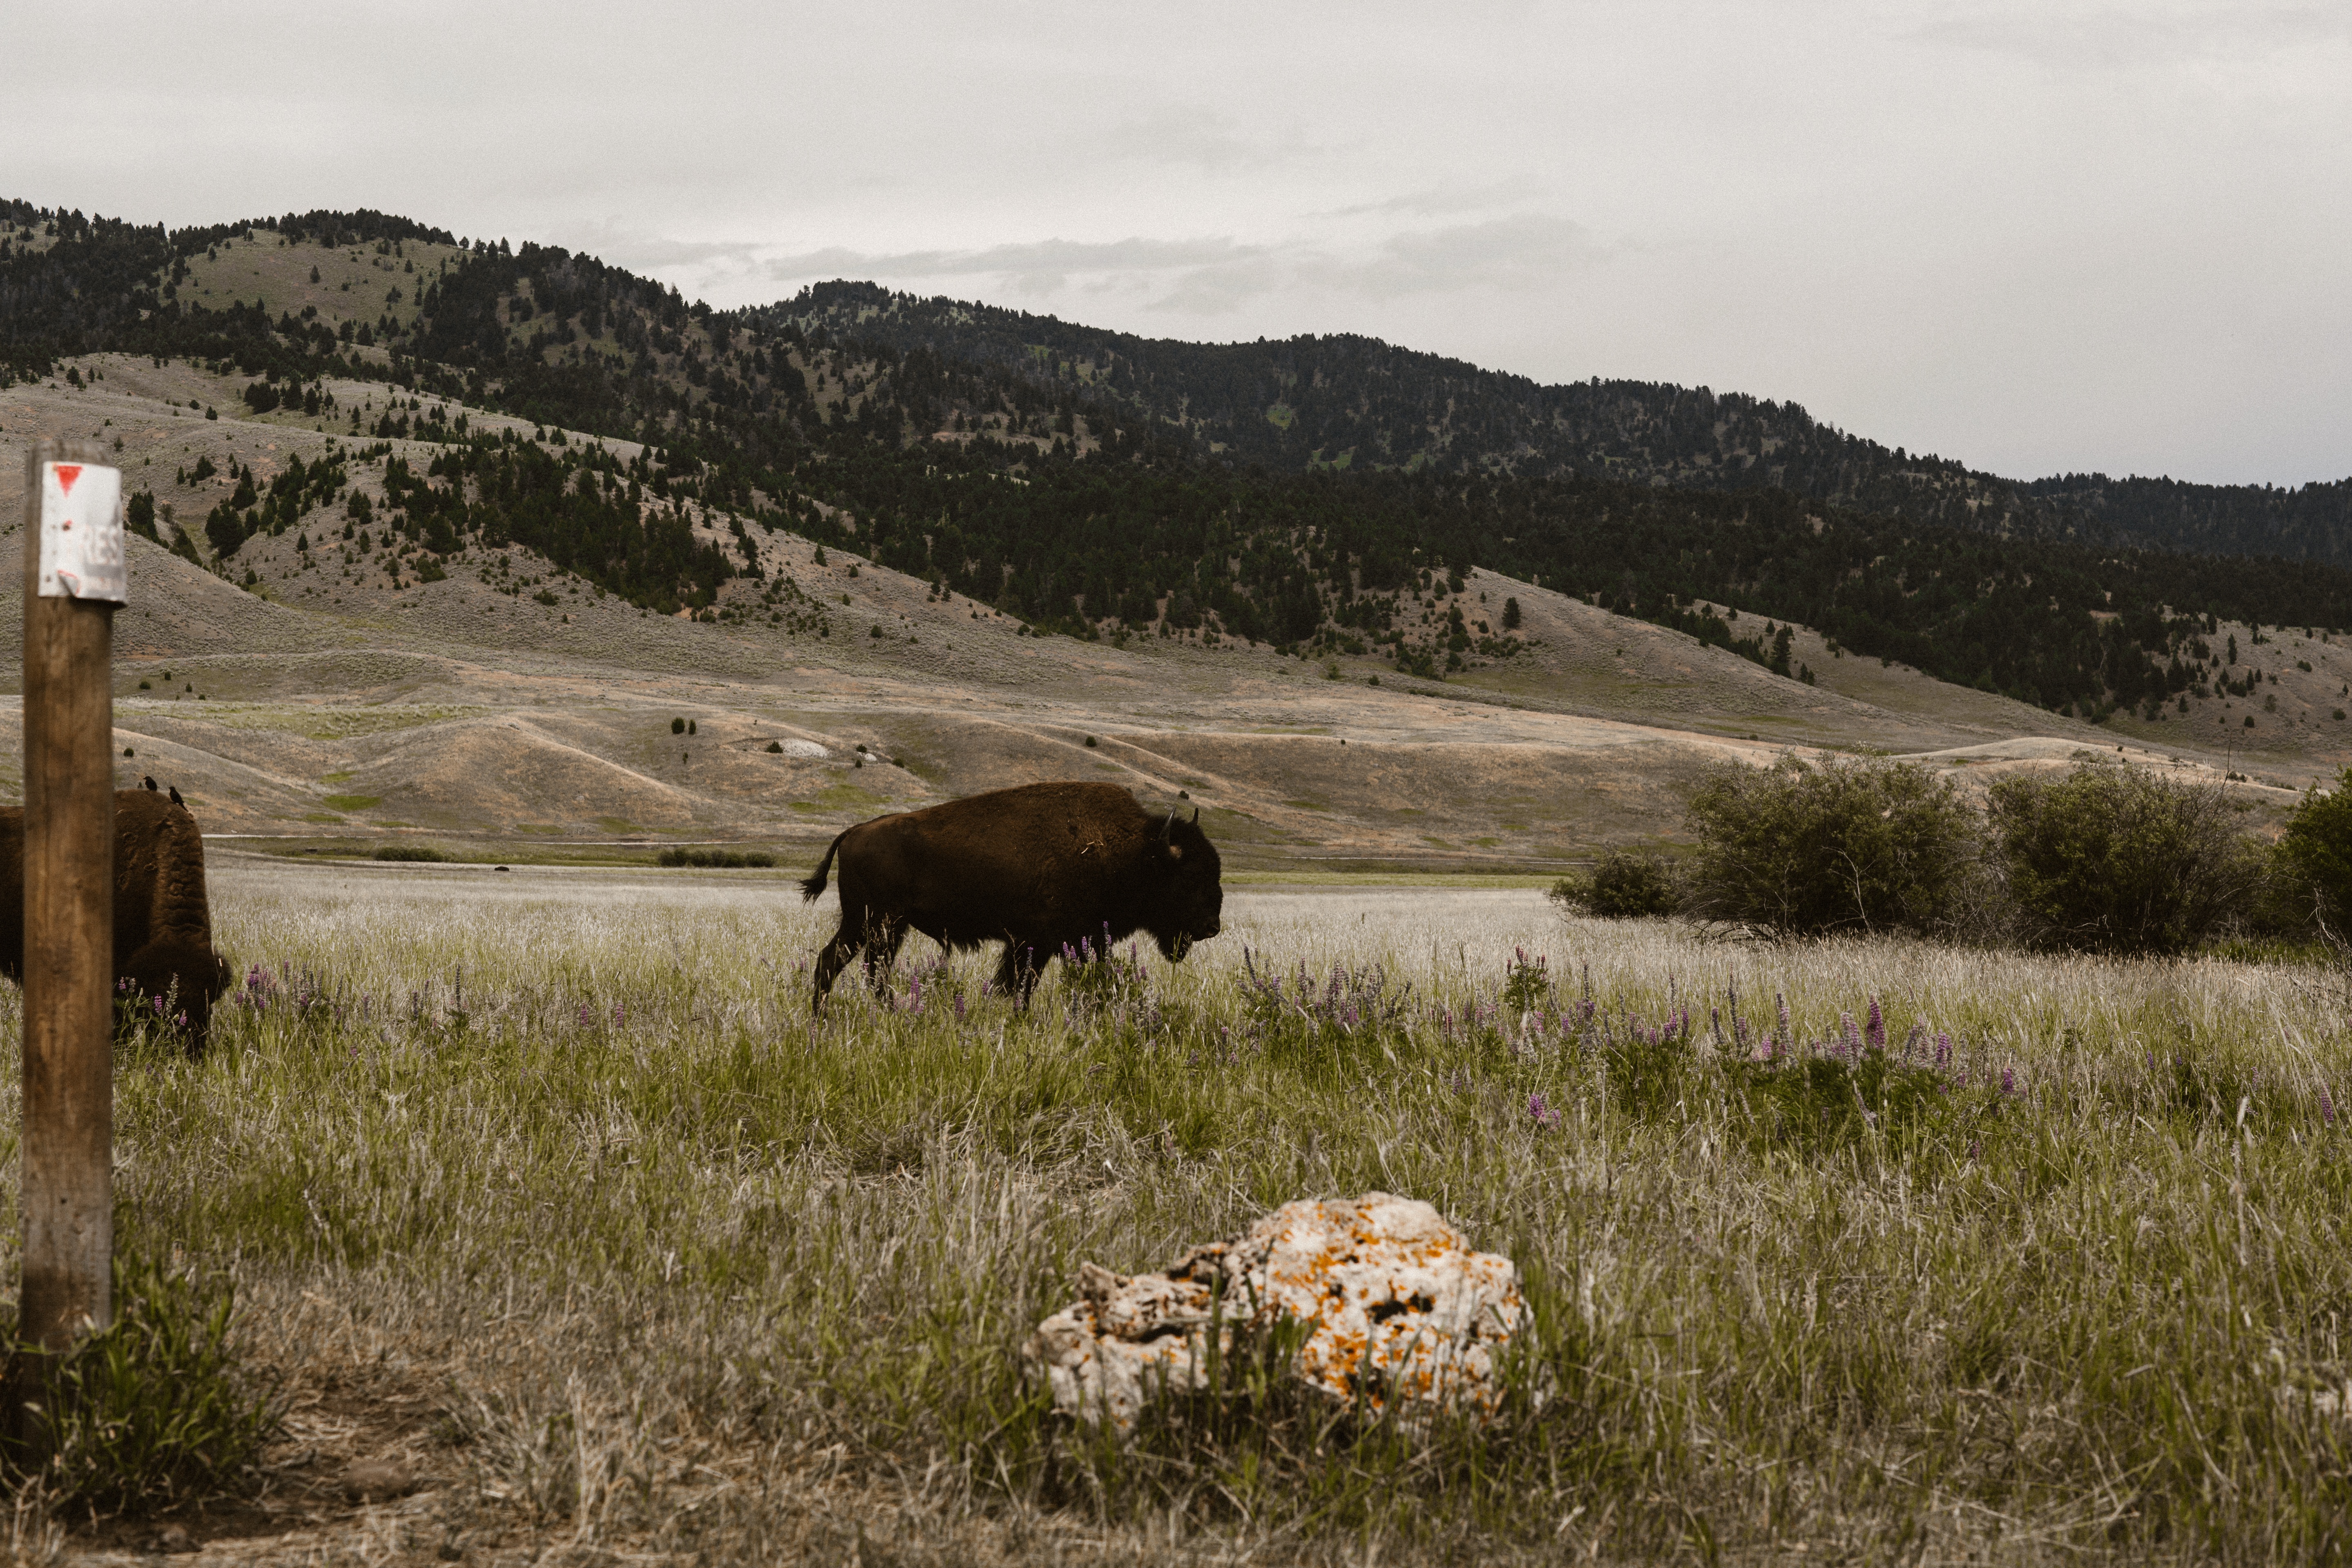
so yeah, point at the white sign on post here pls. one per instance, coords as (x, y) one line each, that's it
(81, 534)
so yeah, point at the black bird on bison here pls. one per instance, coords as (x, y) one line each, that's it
(1037, 868)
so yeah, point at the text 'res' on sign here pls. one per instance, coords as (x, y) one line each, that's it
(81, 534)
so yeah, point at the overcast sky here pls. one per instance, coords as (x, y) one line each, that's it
(2040, 236)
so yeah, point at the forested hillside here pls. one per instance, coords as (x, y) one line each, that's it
(1351, 402)
(1316, 494)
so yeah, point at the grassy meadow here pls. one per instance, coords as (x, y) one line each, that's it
(549, 1183)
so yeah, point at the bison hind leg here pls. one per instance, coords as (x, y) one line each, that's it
(889, 933)
(835, 958)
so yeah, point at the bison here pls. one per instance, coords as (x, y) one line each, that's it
(1038, 867)
(162, 922)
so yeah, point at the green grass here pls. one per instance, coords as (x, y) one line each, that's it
(687, 1272)
(351, 802)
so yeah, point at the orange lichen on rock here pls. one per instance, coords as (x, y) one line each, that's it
(1398, 1307)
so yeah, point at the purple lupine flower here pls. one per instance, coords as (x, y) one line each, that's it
(959, 1006)
(1543, 1115)
(1851, 1037)
(2326, 1105)
(586, 1013)
(1783, 1001)
(2009, 1081)
(1943, 1050)
(620, 1014)
(1874, 1031)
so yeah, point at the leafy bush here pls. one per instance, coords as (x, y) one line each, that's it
(2314, 865)
(2116, 858)
(715, 858)
(147, 1412)
(421, 852)
(1622, 886)
(1843, 847)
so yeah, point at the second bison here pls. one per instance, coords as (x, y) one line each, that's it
(162, 921)
(1038, 867)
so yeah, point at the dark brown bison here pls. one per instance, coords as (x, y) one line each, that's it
(162, 922)
(1036, 867)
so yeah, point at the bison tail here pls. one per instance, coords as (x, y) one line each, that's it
(815, 883)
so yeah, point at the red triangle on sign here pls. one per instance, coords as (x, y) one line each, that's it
(67, 474)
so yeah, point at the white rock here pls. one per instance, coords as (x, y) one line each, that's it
(808, 749)
(1397, 1300)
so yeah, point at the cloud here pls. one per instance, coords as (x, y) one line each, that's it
(612, 241)
(1215, 275)
(2112, 36)
(1446, 201)
(1531, 251)
(1193, 137)
(1201, 276)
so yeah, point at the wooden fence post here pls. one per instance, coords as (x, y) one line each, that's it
(73, 580)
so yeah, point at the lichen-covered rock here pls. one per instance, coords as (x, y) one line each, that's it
(1399, 1304)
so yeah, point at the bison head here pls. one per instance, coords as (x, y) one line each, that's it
(1192, 899)
(188, 977)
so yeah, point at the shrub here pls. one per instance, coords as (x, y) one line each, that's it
(2314, 855)
(1800, 849)
(419, 852)
(148, 1411)
(715, 858)
(2116, 858)
(1622, 886)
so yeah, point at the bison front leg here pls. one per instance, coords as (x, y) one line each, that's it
(1016, 972)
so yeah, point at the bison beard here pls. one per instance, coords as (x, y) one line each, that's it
(162, 921)
(1038, 867)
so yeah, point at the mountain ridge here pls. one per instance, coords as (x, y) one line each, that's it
(1078, 483)
(1314, 400)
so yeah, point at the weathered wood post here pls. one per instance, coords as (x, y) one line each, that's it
(73, 578)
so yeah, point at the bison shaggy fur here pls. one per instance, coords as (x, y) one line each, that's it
(1038, 867)
(162, 921)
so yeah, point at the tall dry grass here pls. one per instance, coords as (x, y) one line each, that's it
(686, 1271)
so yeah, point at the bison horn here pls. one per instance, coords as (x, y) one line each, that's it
(1196, 817)
(1168, 828)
